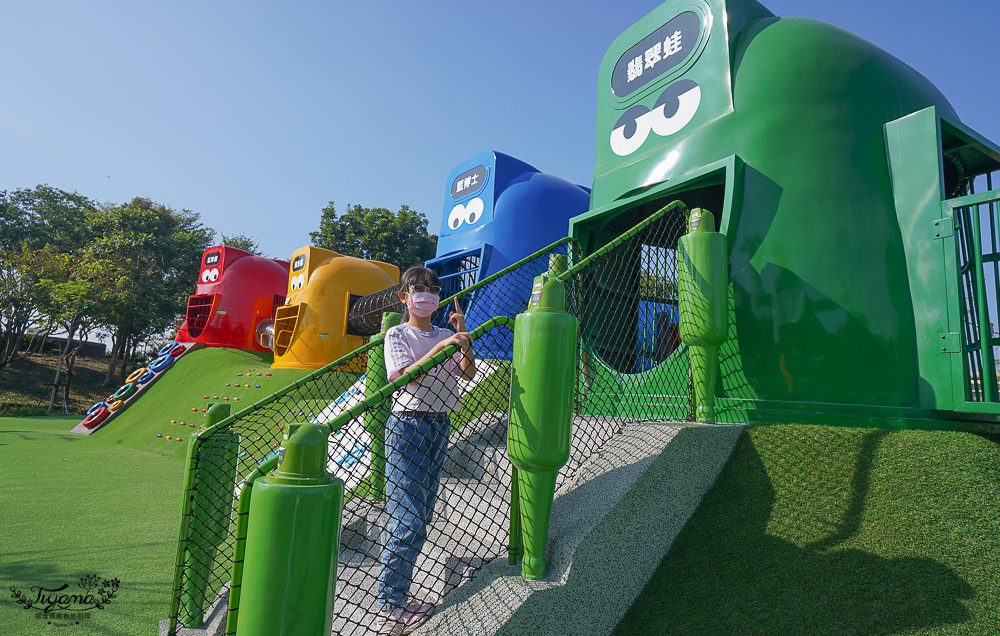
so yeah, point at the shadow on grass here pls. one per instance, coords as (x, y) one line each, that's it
(726, 575)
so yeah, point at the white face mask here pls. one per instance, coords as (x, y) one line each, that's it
(423, 304)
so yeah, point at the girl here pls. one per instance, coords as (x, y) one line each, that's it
(416, 440)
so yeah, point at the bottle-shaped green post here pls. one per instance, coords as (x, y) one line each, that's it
(211, 507)
(293, 534)
(373, 486)
(541, 411)
(703, 303)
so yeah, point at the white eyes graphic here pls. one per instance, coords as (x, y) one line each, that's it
(210, 275)
(673, 110)
(468, 213)
(296, 283)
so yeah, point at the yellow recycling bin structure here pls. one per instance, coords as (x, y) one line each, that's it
(311, 328)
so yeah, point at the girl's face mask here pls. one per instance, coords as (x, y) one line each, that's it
(423, 304)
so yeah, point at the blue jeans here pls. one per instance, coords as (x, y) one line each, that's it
(415, 450)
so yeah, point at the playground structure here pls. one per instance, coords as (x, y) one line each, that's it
(236, 292)
(497, 211)
(859, 282)
(311, 329)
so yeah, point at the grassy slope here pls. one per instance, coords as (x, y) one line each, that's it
(183, 387)
(819, 530)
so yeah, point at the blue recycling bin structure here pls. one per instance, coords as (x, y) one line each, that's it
(498, 210)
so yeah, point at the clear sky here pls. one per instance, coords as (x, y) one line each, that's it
(257, 114)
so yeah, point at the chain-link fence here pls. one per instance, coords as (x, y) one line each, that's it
(424, 457)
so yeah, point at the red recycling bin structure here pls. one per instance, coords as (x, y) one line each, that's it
(237, 292)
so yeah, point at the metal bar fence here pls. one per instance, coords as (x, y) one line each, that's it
(978, 261)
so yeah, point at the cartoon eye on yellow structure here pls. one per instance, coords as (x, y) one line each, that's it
(310, 329)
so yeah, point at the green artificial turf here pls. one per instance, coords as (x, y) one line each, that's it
(74, 506)
(821, 530)
(184, 386)
(108, 504)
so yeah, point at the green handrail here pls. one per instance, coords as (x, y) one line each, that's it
(386, 391)
(621, 238)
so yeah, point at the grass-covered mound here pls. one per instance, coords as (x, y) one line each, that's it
(821, 530)
(184, 386)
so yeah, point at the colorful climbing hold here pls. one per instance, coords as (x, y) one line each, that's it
(159, 434)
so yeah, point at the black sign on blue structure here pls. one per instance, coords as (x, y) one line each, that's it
(468, 182)
(657, 53)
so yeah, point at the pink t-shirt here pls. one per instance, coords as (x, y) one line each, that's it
(437, 390)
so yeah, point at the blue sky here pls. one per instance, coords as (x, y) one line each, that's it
(257, 114)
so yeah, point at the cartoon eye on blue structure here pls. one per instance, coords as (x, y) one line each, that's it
(498, 210)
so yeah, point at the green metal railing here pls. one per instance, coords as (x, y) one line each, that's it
(613, 399)
(266, 407)
(371, 401)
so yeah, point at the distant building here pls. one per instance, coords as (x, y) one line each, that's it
(88, 348)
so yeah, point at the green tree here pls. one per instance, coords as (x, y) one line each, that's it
(146, 258)
(657, 287)
(242, 242)
(398, 238)
(38, 225)
(19, 305)
(67, 295)
(44, 215)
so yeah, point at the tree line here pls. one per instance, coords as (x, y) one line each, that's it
(72, 266)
